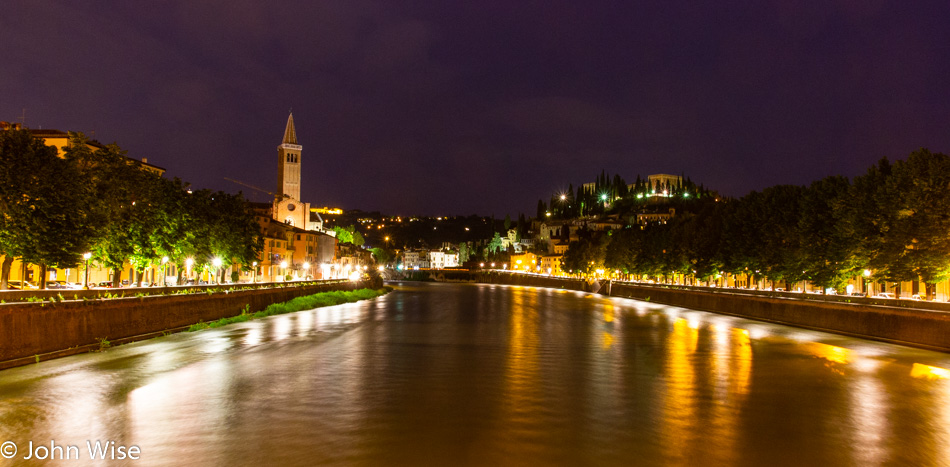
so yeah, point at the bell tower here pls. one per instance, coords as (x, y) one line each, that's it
(288, 162)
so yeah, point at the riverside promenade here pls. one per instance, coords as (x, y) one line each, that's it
(918, 324)
(55, 324)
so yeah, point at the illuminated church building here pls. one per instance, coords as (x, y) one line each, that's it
(287, 206)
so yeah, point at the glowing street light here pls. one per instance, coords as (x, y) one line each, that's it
(283, 270)
(217, 266)
(254, 280)
(164, 269)
(86, 257)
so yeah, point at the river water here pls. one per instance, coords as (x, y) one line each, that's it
(461, 374)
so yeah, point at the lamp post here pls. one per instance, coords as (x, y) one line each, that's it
(217, 268)
(254, 280)
(188, 263)
(86, 257)
(306, 269)
(164, 271)
(283, 270)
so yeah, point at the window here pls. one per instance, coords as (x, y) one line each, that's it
(298, 237)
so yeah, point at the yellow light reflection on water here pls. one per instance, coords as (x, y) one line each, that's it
(742, 372)
(829, 352)
(680, 398)
(608, 340)
(920, 370)
(521, 375)
(731, 372)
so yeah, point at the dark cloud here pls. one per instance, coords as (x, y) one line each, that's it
(461, 107)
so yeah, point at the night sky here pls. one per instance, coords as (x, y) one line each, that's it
(447, 107)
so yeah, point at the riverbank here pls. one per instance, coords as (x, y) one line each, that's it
(923, 328)
(308, 302)
(36, 331)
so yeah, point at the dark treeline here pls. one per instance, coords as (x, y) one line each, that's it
(55, 209)
(893, 221)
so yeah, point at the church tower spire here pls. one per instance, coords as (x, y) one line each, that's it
(288, 162)
(290, 133)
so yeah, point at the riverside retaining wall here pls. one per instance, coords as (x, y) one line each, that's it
(915, 327)
(29, 331)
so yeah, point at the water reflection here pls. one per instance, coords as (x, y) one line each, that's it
(438, 374)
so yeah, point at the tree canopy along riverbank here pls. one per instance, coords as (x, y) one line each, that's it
(890, 224)
(92, 199)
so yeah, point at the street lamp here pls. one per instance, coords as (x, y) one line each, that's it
(283, 272)
(254, 280)
(306, 268)
(188, 263)
(164, 273)
(86, 257)
(217, 267)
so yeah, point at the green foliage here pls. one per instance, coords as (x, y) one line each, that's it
(298, 304)
(103, 343)
(892, 220)
(495, 245)
(42, 203)
(382, 255)
(98, 200)
(586, 255)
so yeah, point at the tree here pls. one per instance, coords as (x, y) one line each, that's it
(382, 255)
(43, 219)
(464, 251)
(827, 244)
(358, 239)
(494, 246)
(876, 222)
(921, 184)
(344, 235)
(586, 255)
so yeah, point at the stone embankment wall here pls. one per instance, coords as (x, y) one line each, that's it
(898, 324)
(534, 281)
(45, 330)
